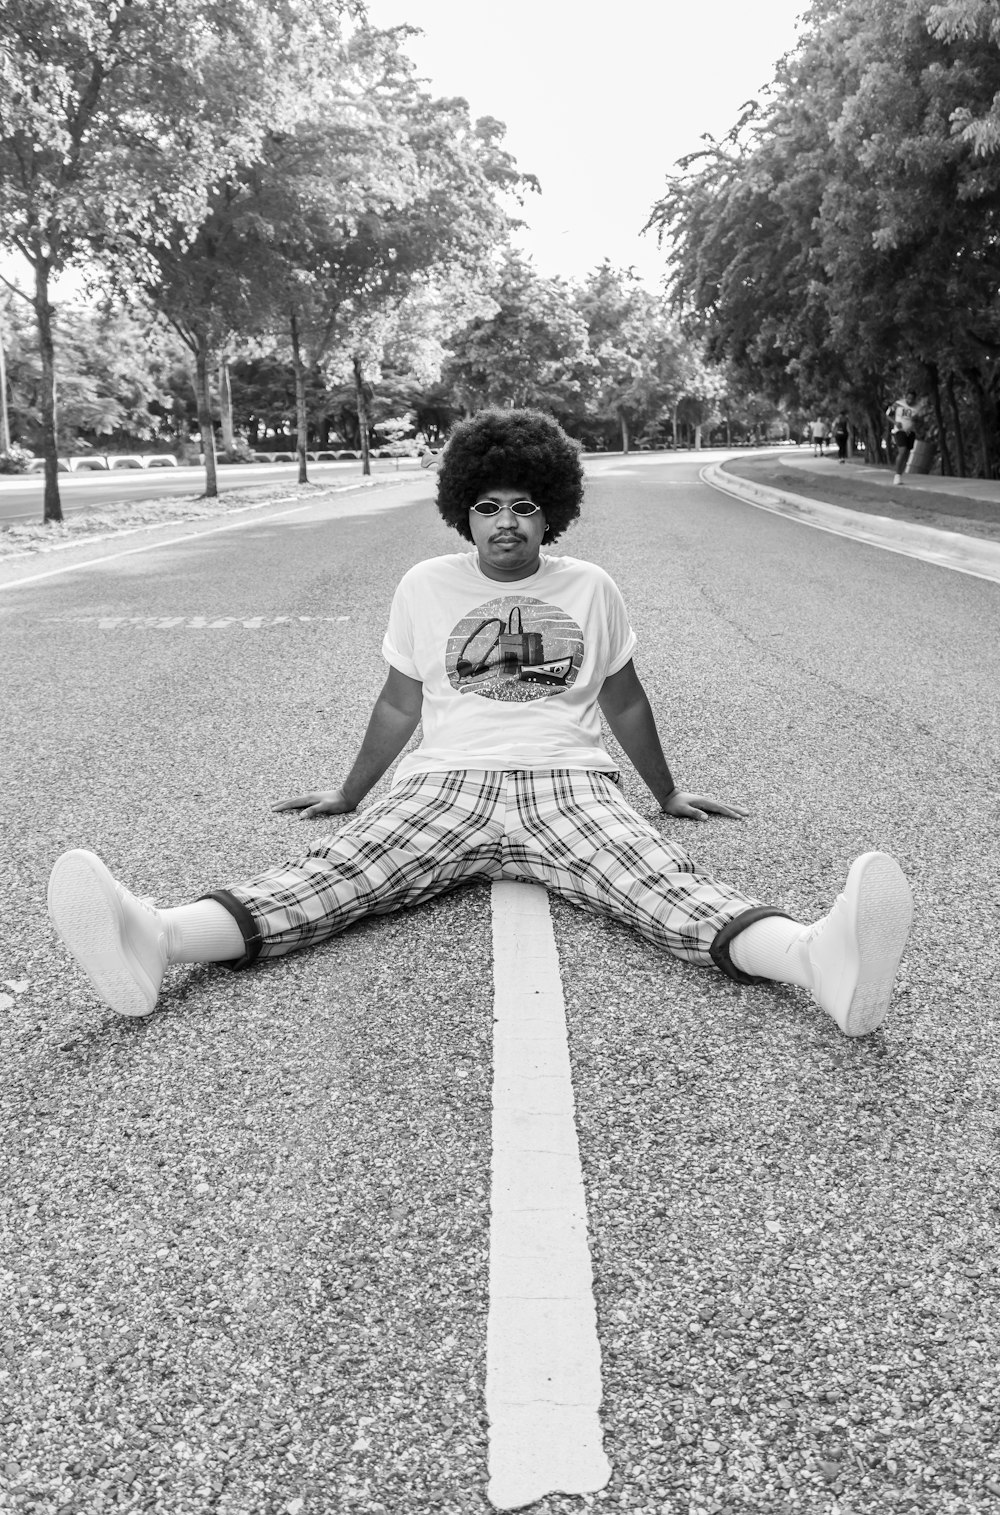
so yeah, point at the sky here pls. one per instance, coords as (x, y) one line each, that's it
(599, 102)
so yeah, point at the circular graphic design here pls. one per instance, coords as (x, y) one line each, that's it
(514, 648)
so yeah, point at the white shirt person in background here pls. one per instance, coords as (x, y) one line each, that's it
(820, 434)
(903, 414)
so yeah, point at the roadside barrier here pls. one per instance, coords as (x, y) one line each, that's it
(105, 462)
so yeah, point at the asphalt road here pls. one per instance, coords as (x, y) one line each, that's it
(21, 494)
(244, 1243)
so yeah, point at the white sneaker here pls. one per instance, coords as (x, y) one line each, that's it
(855, 950)
(119, 941)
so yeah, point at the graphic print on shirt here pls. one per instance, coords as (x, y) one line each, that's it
(514, 648)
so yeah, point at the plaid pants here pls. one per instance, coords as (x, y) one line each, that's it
(568, 829)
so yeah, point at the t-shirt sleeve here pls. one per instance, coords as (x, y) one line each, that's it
(397, 644)
(622, 640)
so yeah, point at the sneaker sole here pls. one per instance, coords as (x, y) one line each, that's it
(85, 909)
(883, 912)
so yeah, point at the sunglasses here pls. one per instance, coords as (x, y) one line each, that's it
(494, 507)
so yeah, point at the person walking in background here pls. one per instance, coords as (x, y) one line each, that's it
(820, 432)
(903, 415)
(841, 432)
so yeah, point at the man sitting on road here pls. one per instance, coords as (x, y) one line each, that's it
(507, 654)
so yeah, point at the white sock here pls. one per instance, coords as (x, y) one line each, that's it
(203, 932)
(773, 948)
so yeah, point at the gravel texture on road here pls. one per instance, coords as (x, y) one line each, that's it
(849, 488)
(243, 1244)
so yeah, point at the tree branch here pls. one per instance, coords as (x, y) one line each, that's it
(15, 290)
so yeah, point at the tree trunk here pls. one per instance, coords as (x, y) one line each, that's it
(4, 423)
(675, 425)
(697, 437)
(205, 425)
(874, 429)
(301, 417)
(986, 460)
(623, 423)
(957, 423)
(52, 508)
(932, 378)
(362, 404)
(226, 409)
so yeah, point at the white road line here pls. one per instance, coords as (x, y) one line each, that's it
(543, 1358)
(191, 623)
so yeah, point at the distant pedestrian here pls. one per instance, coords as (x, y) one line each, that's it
(841, 432)
(820, 437)
(903, 414)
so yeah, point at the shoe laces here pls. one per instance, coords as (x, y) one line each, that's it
(811, 932)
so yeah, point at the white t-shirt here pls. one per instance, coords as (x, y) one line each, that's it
(510, 671)
(902, 415)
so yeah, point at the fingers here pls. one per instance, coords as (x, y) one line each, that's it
(734, 812)
(695, 807)
(311, 806)
(317, 808)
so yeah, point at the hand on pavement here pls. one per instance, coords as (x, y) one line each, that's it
(323, 802)
(692, 807)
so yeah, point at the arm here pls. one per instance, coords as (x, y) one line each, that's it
(393, 721)
(627, 711)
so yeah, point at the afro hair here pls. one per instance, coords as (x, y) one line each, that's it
(511, 449)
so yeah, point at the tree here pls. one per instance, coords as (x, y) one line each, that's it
(113, 371)
(532, 350)
(842, 240)
(640, 363)
(429, 216)
(114, 119)
(977, 24)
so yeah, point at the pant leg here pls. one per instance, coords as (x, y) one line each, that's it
(433, 833)
(572, 831)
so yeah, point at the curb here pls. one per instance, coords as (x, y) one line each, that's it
(240, 515)
(945, 549)
(84, 540)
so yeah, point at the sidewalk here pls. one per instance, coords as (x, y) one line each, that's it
(952, 522)
(862, 486)
(857, 472)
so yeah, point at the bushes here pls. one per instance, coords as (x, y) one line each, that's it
(16, 460)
